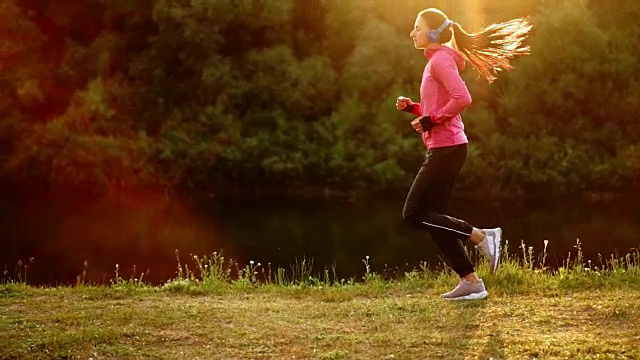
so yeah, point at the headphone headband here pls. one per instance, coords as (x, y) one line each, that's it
(444, 25)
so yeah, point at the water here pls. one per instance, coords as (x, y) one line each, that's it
(144, 231)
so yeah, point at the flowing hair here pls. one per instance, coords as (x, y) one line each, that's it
(490, 49)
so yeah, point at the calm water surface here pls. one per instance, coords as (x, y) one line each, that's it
(60, 234)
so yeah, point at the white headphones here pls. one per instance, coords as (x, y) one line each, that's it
(434, 35)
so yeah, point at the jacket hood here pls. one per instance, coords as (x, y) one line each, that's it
(457, 57)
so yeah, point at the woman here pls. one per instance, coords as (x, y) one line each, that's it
(443, 96)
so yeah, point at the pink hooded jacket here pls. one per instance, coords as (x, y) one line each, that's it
(443, 96)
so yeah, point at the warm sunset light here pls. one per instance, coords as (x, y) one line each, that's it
(319, 179)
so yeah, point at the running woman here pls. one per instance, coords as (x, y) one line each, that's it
(443, 96)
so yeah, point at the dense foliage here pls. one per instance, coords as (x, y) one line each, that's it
(294, 93)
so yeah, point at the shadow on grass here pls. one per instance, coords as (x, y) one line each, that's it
(468, 337)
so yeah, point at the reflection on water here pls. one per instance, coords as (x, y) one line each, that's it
(146, 230)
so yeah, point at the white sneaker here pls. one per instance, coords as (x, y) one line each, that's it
(490, 247)
(467, 291)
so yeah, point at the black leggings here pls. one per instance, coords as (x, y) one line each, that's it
(427, 203)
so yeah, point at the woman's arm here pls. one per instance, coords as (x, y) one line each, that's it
(414, 108)
(445, 70)
(407, 105)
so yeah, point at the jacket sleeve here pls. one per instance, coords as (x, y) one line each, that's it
(445, 70)
(415, 109)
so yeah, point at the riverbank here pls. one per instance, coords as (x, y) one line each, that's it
(573, 312)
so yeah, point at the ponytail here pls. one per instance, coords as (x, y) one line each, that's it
(490, 49)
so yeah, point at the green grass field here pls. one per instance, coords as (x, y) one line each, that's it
(575, 312)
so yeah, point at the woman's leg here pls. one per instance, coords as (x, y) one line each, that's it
(427, 202)
(425, 209)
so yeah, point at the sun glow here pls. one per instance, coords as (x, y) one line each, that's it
(473, 15)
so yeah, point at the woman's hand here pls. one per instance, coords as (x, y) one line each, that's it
(403, 102)
(416, 125)
(422, 124)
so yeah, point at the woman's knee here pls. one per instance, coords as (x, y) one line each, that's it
(411, 218)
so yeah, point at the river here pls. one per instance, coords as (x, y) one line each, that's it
(59, 234)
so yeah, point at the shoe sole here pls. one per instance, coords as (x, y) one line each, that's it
(496, 246)
(474, 296)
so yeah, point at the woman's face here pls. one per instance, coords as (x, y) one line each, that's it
(419, 35)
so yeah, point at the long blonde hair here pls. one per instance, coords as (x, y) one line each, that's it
(488, 50)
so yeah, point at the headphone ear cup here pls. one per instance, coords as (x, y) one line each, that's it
(433, 36)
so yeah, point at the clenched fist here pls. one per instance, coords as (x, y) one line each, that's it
(422, 124)
(403, 102)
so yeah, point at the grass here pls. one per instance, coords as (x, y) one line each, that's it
(215, 309)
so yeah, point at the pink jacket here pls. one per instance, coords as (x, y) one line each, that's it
(443, 96)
